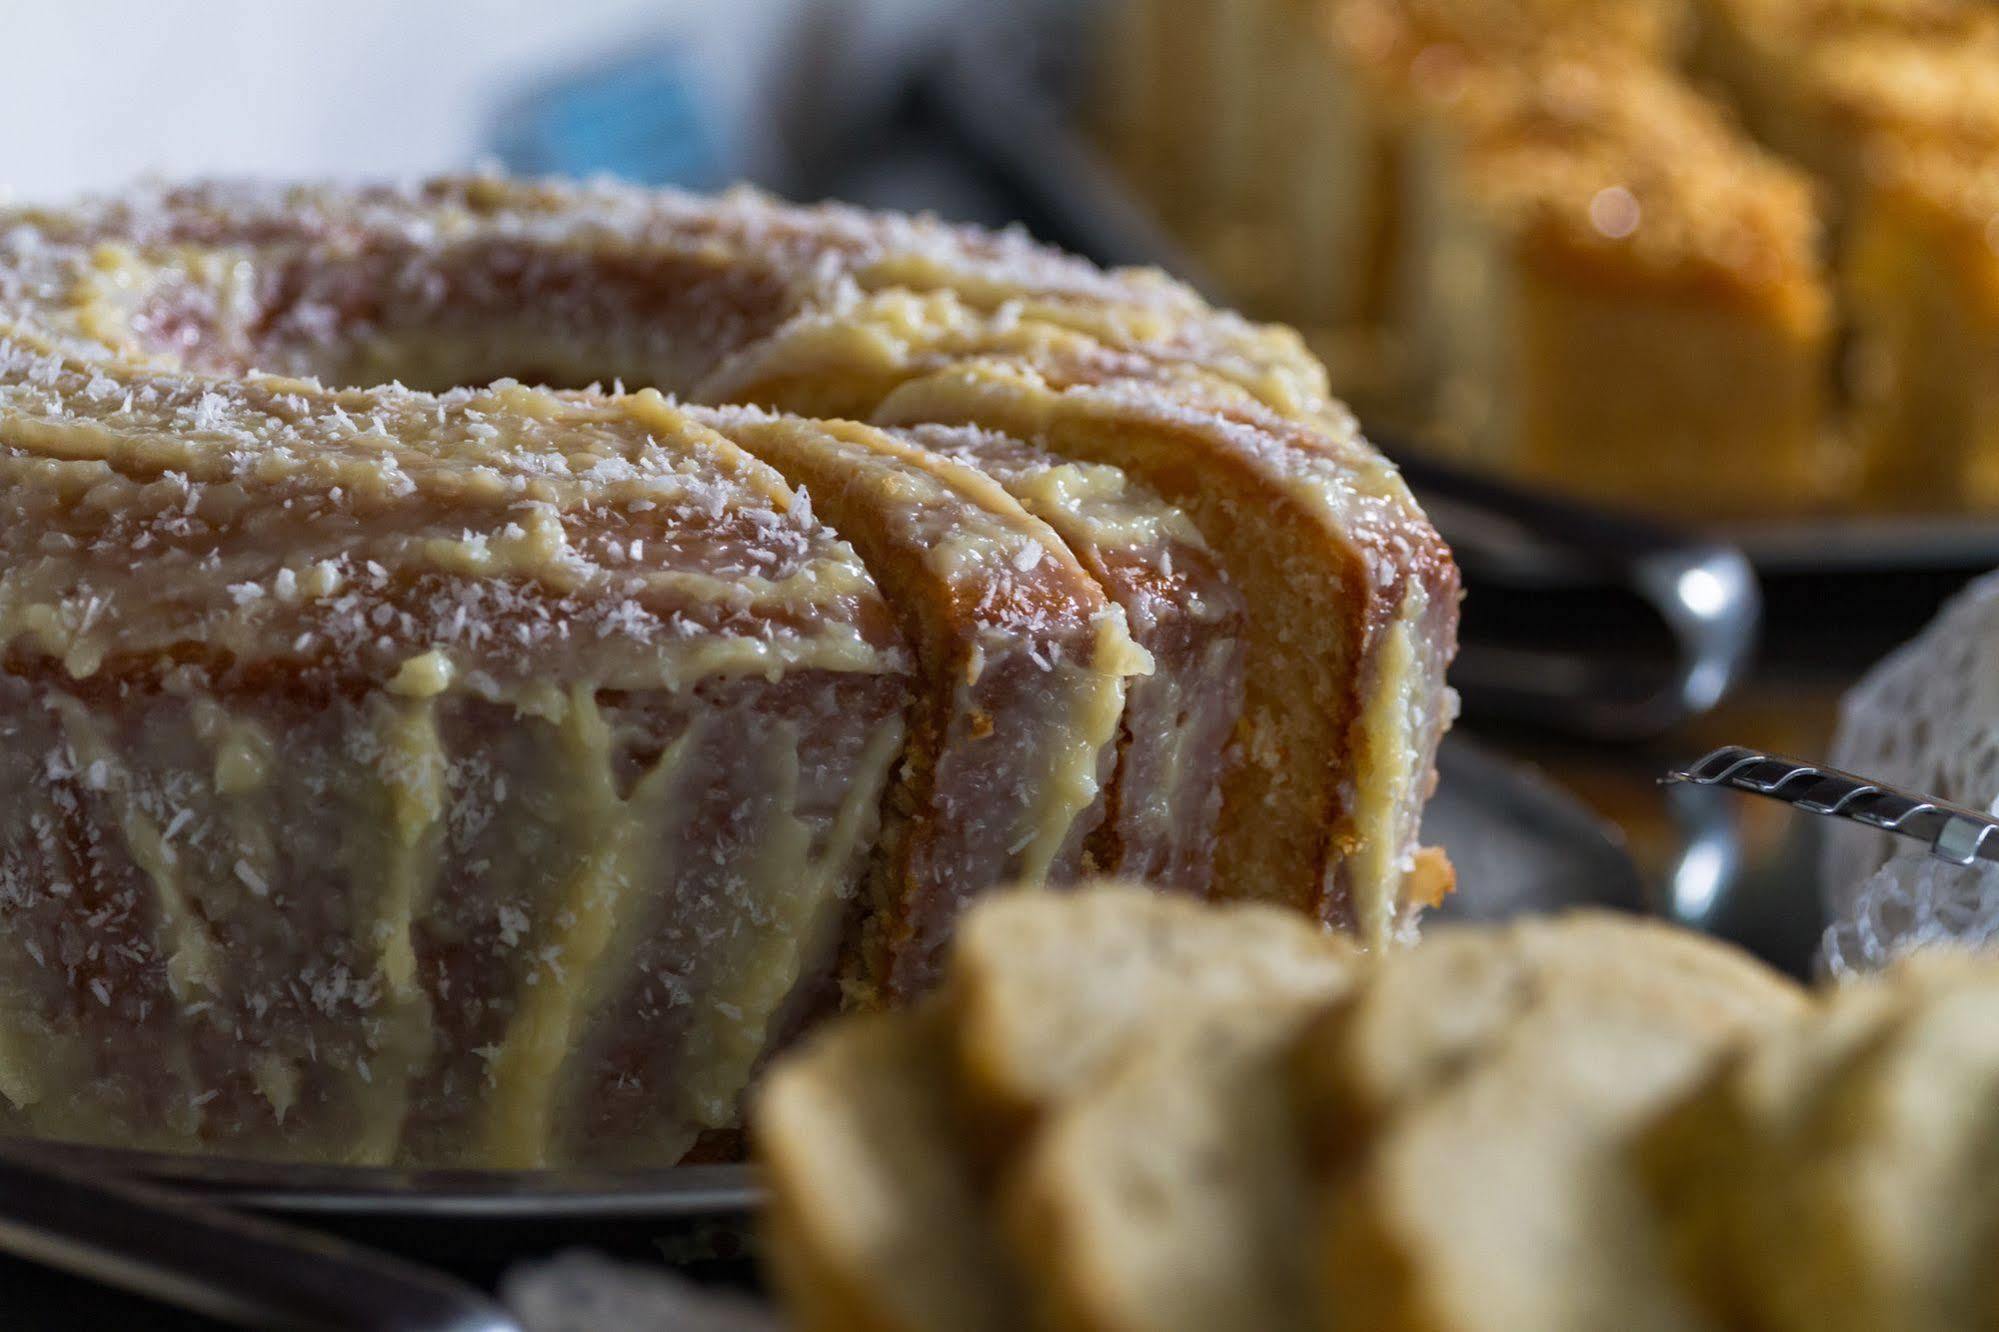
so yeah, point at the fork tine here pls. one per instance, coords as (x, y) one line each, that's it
(1952, 833)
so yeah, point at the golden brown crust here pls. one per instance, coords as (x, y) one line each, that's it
(1421, 47)
(1617, 175)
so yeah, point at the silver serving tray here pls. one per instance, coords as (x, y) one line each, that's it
(333, 1191)
(1527, 846)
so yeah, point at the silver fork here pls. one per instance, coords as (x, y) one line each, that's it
(1953, 833)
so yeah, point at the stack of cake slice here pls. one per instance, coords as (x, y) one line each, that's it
(1603, 287)
(1124, 1111)
(1894, 105)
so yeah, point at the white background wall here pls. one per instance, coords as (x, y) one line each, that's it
(97, 92)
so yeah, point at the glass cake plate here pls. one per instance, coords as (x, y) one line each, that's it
(1520, 846)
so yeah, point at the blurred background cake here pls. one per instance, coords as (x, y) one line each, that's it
(1700, 256)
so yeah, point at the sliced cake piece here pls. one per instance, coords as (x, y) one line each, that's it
(1500, 1198)
(1732, 37)
(874, 1222)
(1165, 799)
(1233, 168)
(1352, 610)
(1894, 104)
(1385, 1044)
(1091, 1002)
(1716, 1161)
(1046, 991)
(1335, 85)
(1392, 1042)
(1857, 1162)
(1127, 67)
(1923, 279)
(1820, 80)
(1843, 98)
(1895, 1211)
(1155, 71)
(1174, 1195)
(1352, 596)
(1610, 291)
(1025, 662)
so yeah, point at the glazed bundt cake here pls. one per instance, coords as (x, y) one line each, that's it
(407, 764)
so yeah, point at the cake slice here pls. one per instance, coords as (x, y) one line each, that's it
(1821, 80)
(1024, 659)
(1311, 524)
(1233, 166)
(1352, 604)
(1838, 99)
(1174, 1194)
(1499, 1197)
(1228, 422)
(1840, 1176)
(1046, 992)
(1385, 1044)
(1165, 798)
(1609, 291)
(1155, 72)
(1894, 1216)
(1924, 281)
(1717, 1160)
(875, 1223)
(893, 1148)
(1322, 91)
(1894, 105)
(1391, 1043)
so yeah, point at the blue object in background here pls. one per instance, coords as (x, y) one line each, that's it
(636, 116)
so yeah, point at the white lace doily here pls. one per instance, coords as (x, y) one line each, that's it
(1926, 718)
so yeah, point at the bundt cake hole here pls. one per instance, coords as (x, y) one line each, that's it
(468, 316)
